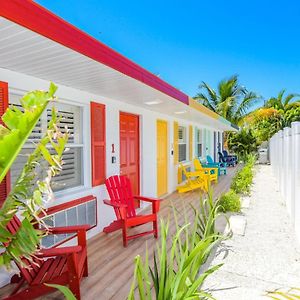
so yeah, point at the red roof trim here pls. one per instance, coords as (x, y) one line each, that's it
(36, 18)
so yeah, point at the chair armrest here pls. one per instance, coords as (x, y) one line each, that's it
(211, 165)
(195, 173)
(155, 202)
(58, 251)
(68, 229)
(211, 168)
(146, 199)
(117, 205)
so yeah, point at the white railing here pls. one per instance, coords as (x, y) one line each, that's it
(285, 161)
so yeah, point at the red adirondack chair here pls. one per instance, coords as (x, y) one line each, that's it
(122, 200)
(64, 266)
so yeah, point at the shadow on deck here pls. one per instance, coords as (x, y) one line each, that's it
(111, 265)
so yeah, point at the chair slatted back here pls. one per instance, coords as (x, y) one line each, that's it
(221, 157)
(225, 153)
(209, 159)
(31, 267)
(120, 191)
(186, 173)
(198, 165)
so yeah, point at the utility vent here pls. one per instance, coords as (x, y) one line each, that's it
(78, 212)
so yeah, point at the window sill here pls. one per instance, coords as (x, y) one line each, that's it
(71, 191)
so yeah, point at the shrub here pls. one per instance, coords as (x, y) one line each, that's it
(230, 201)
(242, 181)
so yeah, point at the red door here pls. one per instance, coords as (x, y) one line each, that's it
(129, 149)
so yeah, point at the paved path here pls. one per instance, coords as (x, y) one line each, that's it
(267, 256)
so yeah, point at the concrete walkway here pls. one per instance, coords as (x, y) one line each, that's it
(267, 257)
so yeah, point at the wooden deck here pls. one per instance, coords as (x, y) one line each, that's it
(111, 265)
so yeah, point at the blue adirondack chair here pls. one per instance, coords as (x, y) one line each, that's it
(222, 166)
(227, 156)
(229, 160)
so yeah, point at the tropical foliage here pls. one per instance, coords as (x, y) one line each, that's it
(231, 100)
(175, 273)
(230, 202)
(32, 188)
(242, 143)
(291, 294)
(242, 181)
(277, 113)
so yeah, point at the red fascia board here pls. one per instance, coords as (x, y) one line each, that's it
(36, 18)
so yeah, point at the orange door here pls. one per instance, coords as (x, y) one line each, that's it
(162, 157)
(129, 149)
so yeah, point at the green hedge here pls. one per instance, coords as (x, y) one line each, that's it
(242, 181)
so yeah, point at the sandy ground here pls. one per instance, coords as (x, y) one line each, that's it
(267, 257)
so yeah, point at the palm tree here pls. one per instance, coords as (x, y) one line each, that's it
(283, 103)
(231, 100)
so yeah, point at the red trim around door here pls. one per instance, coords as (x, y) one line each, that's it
(29, 14)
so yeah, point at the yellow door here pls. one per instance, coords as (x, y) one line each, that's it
(162, 157)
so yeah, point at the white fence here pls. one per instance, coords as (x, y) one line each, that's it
(285, 161)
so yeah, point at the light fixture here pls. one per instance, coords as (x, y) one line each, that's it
(180, 112)
(153, 102)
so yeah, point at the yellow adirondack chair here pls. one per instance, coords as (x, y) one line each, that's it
(194, 180)
(211, 172)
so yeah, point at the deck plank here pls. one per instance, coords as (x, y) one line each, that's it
(111, 265)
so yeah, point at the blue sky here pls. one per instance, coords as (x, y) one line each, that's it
(190, 41)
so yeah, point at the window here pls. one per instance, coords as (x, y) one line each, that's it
(71, 120)
(199, 143)
(182, 144)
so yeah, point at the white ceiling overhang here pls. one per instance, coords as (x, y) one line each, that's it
(27, 52)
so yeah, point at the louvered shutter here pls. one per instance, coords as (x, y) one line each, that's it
(5, 184)
(175, 143)
(98, 143)
(191, 142)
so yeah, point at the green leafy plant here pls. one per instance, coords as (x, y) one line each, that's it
(33, 186)
(291, 294)
(242, 143)
(206, 215)
(64, 290)
(176, 270)
(19, 125)
(230, 202)
(175, 274)
(242, 181)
